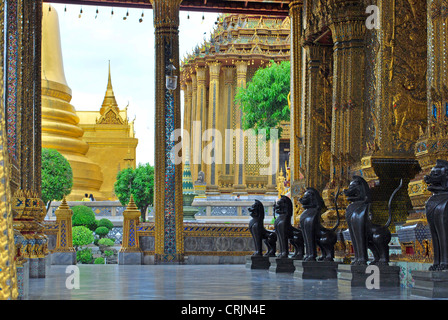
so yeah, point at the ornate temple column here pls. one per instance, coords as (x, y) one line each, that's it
(295, 14)
(433, 142)
(316, 156)
(227, 166)
(240, 181)
(8, 273)
(169, 246)
(201, 108)
(193, 138)
(214, 119)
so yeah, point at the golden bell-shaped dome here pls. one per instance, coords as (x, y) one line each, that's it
(60, 128)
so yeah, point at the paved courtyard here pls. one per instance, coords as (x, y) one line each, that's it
(195, 282)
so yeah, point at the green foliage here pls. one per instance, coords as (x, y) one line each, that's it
(82, 236)
(57, 175)
(84, 256)
(106, 242)
(264, 101)
(102, 231)
(139, 182)
(108, 253)
(84, 216)
(105, 223)
(99, 260)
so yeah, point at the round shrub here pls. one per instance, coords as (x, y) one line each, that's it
(108, 253)
(105, 223)
(84, 216)
(99, 260)
(101, 232)
(84, 256)
(82, 236)
(106, 242)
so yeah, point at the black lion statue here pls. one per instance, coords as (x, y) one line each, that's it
(437, 213)
(259, 233)
(314, 234)
(363, 233)
(286, 233)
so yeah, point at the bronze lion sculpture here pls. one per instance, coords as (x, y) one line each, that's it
(437, 213)
(314, 234)
(259, 233)
(364, 233)
(286, 233)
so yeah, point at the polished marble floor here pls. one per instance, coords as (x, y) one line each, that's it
(194, 282)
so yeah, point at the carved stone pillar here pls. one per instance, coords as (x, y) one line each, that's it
(169, 246)
(240, 181)
(213, 148)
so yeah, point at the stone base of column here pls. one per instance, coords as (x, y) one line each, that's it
(63, 258)
(356, 276)
(130, 258)
(316, 269)
(430, 284)
(169, 259)
(212, 191)
(281, 265)
(257, 262)
(23, 280)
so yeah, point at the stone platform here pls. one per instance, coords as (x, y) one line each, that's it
(315, 269)
(281, 265)
(257, 262)
(430, 284)
(356, 276)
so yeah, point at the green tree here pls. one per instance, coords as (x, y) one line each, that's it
(264, 101)
(139, 182)
(82, 236)
(57, 176)
(84, 216)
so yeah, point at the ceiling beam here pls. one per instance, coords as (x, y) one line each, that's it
(262, 7)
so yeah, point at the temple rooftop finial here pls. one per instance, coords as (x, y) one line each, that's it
(109, 100)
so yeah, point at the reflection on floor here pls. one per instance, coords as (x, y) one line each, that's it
(194, 282)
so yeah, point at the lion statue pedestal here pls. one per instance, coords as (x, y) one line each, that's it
(260, 235)
(315, 235)
(286, 234)
(434, 282)
(364, 235)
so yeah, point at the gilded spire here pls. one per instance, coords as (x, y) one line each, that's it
(109, 98)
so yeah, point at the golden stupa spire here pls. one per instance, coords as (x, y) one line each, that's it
(109, 98)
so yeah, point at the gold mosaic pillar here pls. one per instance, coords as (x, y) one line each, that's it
(240, 179)
(193, 133)
(169, 246)
(8, 274)
(201, 108)
(226, 124)
(295, 161)
(317, 155)
(214, 119)
(433, 142)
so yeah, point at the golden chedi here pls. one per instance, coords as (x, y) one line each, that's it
(60, 129)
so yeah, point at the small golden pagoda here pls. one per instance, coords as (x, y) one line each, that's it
(111, 139)
(210, 77)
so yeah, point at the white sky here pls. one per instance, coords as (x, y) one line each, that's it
(88, 43)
